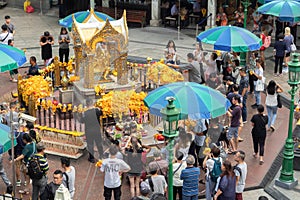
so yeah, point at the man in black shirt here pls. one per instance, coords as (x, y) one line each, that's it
(243, 91)
(91, 119)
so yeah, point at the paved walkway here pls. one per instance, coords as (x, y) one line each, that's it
(149, 41)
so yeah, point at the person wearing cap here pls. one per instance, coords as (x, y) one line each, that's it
(145, 190)
(38, 185)
(46, 42)
(10, 27)
(5, 35)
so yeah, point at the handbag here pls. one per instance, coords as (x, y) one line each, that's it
(279, 104)
(260, 86)
(293, 47)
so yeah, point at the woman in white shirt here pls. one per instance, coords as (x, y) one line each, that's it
(198, 55)
(211, 65)
(271, 103)
(259, 73)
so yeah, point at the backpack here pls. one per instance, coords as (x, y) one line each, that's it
(34, 168)
(267, 41)
(216, 171)
(237, 168)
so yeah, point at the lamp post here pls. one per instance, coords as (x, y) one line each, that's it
(170, 116)
(286, 178)
(246, 4)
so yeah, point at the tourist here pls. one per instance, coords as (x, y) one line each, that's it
(170, 52)
(10, 27)
(211, 159)
(184, 143)
(68, 175)
(8, 194)
(32, 132)
(190, 176)
(221, 18)
(5, 35)
(226, 189)
(145, 191)
(92, 129)
(27, 152)
(229, 83)
(259, 74)
(272, 91)
(157, 183)
(38, 185)
(133, 151)
(3, 173)
(174, 10)
(113, 168)
(50, 189)
(252, 66)
(288, 40)
(279, 50)
(33, 68)
(211, 65)
(235, 114)
(198, 55)
(259, 132)
(239, 14)
(63, 41)
(13, 72)
(243, 91)
(46, 42)
(161, 164)
(263, 35)
(193, 67)
(214, 82)
(240, 171)
(178, 166)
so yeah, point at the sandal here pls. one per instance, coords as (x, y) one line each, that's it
(261, 162)
(254, 155)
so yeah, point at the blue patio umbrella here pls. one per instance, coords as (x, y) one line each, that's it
(11, 58)
(5, 139)
(83, 16)
(285, 10)
(230, 38)
(195, 101)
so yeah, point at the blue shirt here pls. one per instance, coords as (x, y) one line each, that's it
(190, 177)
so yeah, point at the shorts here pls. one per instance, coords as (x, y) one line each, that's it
(232, 132)
(288, 54)
(130, 174)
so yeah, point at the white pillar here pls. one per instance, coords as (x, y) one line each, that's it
(155, 13)
(211, 8)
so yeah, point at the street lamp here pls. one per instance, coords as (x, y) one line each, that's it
(246, 4)
(170, 116)
(286, 178)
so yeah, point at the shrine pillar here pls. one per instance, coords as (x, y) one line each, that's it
(78, 57)
(121, 63)
(89, 72)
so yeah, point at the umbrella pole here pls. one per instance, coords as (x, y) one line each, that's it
(116, 12)
(12, 151)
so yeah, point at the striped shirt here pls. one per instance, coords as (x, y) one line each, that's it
(190, 177)
(43, 162)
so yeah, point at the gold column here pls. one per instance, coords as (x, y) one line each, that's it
(31, 106)
(121, 65)
(78, 58)
(89, 72)
(56, 72)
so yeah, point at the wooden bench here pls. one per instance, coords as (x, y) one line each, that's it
(110, 12)
(194, 18)
(170, 19)
(136, 16)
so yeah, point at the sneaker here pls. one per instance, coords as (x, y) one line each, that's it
(14, 80)
(244, 122)
(18, 183)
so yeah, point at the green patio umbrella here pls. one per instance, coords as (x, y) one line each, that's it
(5, 139)
(285, 10)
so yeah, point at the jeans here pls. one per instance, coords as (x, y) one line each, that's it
(272, 114)
(244, 108)
(210, 188)
(108, 192)
(257, 97)
(62, 53)
(177, 190)
(2, 173)
(278, 60)
(259, 141)
(38, 187)
(195, 197)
